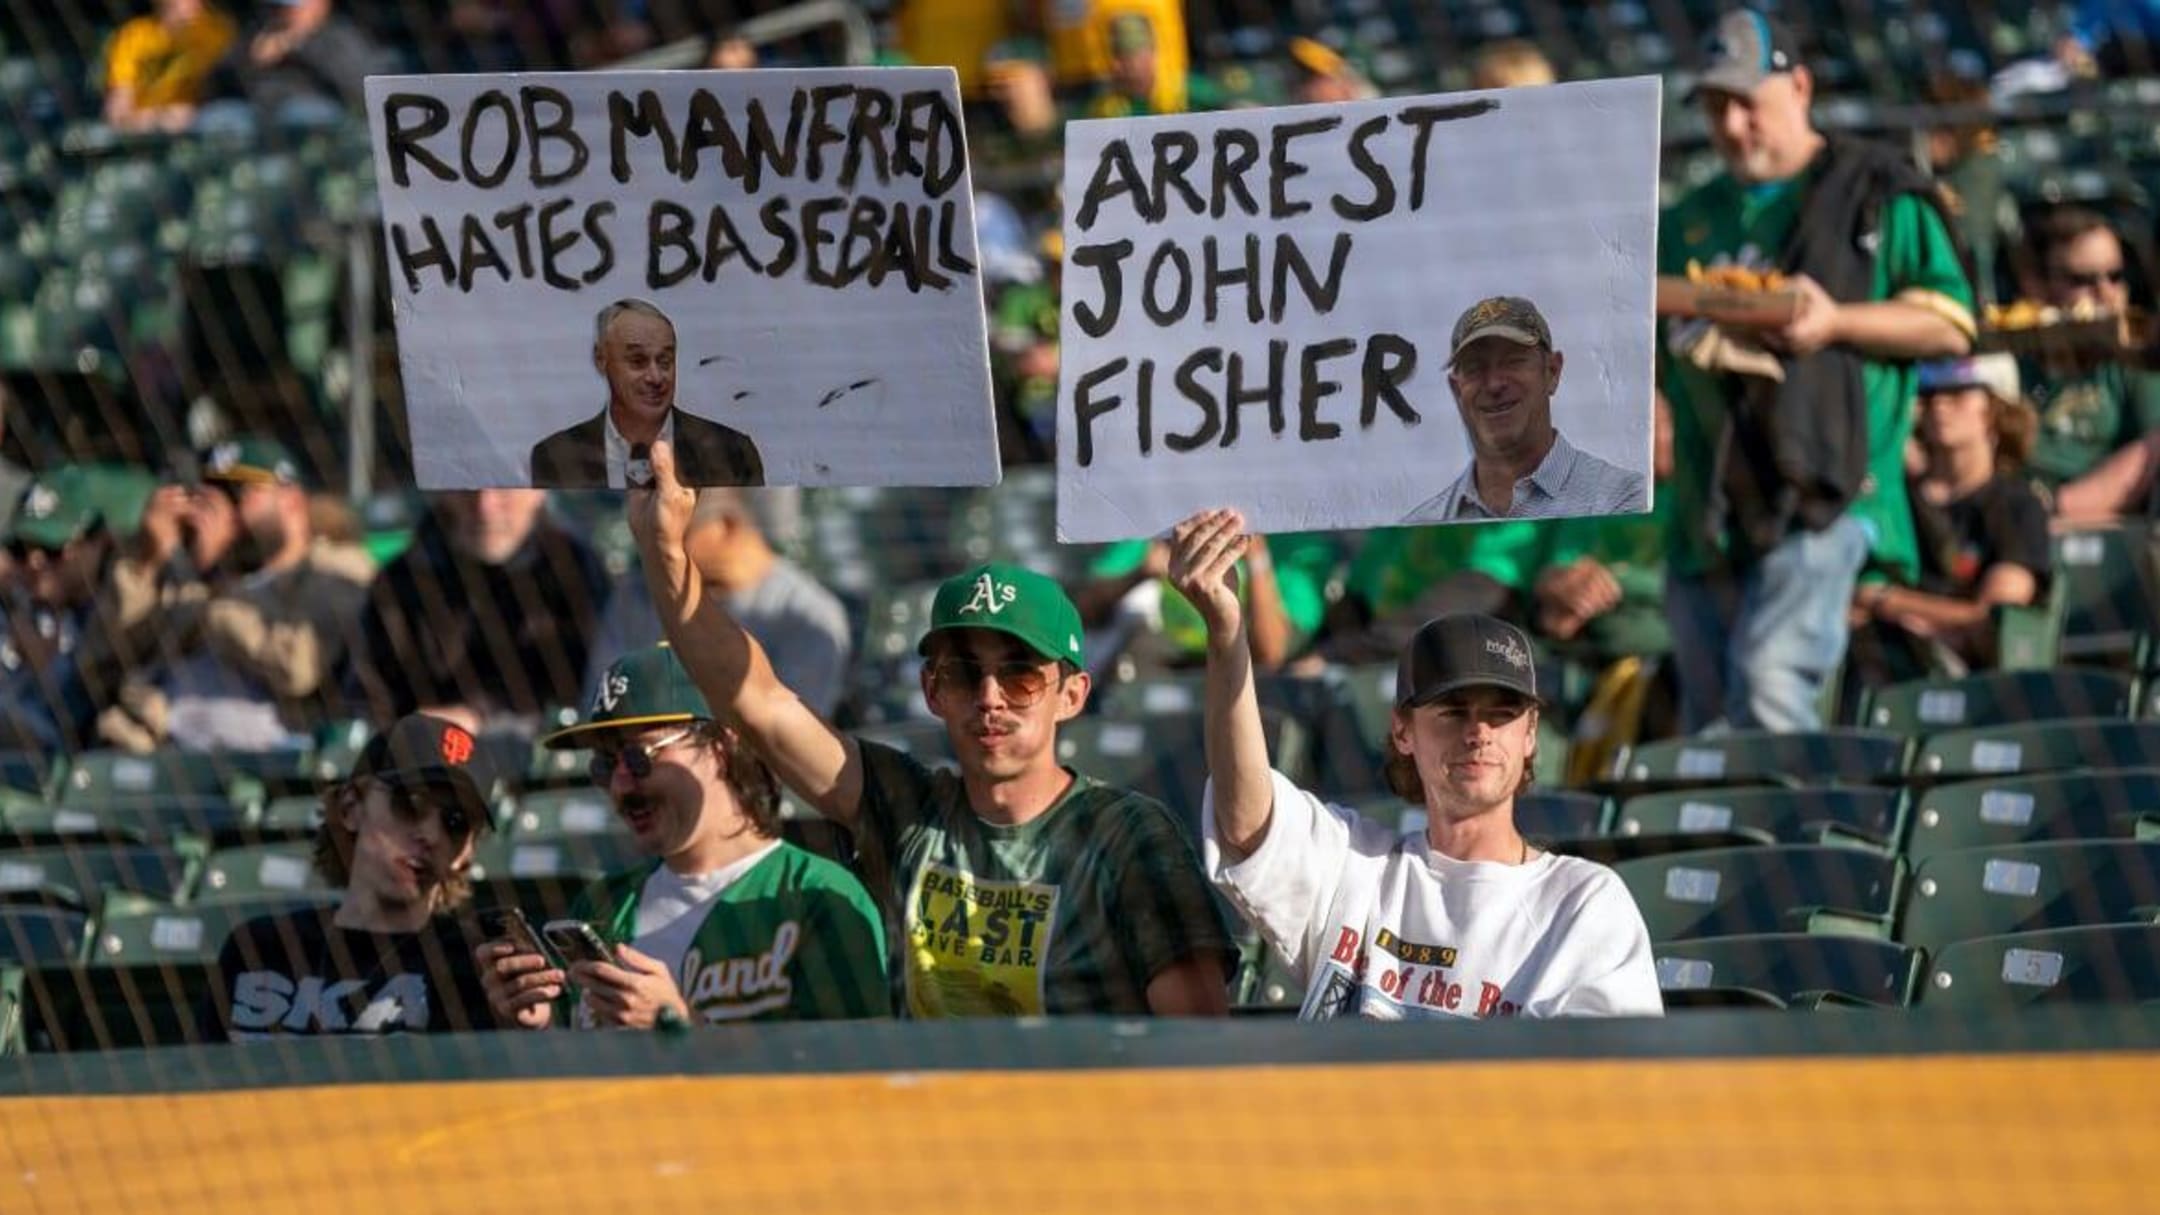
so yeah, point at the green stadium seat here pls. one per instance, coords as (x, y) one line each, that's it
(569, 812)
(1793, 967)
(33, 936)
(28, 771)
(1345, 762)
(294, 817)
(259, 873)
(2110, 610)
(2028, 809)
(97, 778)
(894, 622)
(2114, 963)
(141, 821)
(500, 858)
(72, 1008)
(1756, 890)
(1980, 892)
(1997, 698)
(80, 875)
(1844, 756)
(179, 934)
(2058, 746)
(1768, 814)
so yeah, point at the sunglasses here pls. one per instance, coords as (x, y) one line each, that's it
(2095, 278)
(415, 805)
(638, 757)
(1020, 681)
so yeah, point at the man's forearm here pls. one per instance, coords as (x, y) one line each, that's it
(1902, 329)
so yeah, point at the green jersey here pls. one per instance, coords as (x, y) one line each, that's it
(1725, 222)
(794, 938)
(2086, 416)
(1074, 911)
(1304, 561)
(1397, 564)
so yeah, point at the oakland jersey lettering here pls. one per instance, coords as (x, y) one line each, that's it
(736, 989)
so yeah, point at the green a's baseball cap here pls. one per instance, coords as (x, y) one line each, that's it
(1009, 599)
(250, 460)
(1502, 316)
(60, 506)
(646, 687)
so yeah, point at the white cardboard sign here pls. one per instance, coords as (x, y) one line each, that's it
(1259, 304)
(807, 236)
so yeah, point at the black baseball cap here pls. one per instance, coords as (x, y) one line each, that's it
(423, 752)
(1465, 650)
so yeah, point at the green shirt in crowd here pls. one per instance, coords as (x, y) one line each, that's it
(1303, 564)
(1072, 912)
(794, 938)
(2087, 415)
(1726, 222)
(1397, 564)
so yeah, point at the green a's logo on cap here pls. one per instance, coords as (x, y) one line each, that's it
(990, 596)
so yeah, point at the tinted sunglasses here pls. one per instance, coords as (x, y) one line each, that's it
(2096, 278)
(414, 805)
(638, 757)
(1021, 681)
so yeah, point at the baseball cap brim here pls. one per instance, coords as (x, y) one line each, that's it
(923, 647)
(1464, 683)
(1737, 79)
(1513, 333)
(54, 533)
(582, 734)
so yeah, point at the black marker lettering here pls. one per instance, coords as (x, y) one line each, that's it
(1236, 395)
(649, 118)
(669, 225)
(1390, 361)
(1383, 182)
(433, 254)
(1196, 392)
(558, 129)
(1312, 389)
(1086, 408)
(1116, 159)
(1108, 261)
(873, 115)
(1214, 276)
(1236, 152)
(402, 141)
(1167, 253)
(1290, 260)
(1282, 169)
(1175, 152)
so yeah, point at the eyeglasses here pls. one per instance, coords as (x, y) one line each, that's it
(638, 757)
(1022, 682)
(2094, 278)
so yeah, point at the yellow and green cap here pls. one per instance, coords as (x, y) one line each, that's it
(250, 460)
(1009, 599)
(66, 503)
(645, 687)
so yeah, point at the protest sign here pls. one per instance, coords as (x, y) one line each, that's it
(786, 257)
(1261, 308)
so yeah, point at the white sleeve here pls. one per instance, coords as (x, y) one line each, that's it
(1618, 972)
(1288, 885)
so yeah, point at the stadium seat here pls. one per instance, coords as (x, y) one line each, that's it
(2002, 697)
(258, 873)
(502, 858)
(1166, 757)
(32, 936)
(28, 771)
(1845, 756)
(2114, 963)
(147, 821)
(79, 875)
(2091, 742)
(1344, 759)
(1794, 967)
(894, 621)
(100, 778)
(1751, 891)
(71, 1008)
(564, 812)
(1769, 814)
(294, 817)
(2110, 610)
(2028, 809)
(1979, 892)
(178, 934)
(1559, 814)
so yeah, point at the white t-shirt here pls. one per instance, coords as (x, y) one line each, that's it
(671, 908)
(1376, 924)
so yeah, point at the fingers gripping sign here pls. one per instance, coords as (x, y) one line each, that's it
(1204, 552)
(633, 995)
(660, 515)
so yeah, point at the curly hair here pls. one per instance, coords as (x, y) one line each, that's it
(756, 789)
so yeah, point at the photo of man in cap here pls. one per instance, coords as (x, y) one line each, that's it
(1503, 370)
(397, 840)
(1022, 887)
(1461, 917)
(726, 922)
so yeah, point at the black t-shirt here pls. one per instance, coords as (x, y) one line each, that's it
(298, 973)
(2001, 523)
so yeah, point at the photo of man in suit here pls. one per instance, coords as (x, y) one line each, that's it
(634, 351)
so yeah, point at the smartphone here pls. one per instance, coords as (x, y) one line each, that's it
(639, 470)
(509, 924)
(576, 941)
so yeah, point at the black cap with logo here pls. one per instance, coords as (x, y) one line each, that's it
(423, 752)
(1464, 650)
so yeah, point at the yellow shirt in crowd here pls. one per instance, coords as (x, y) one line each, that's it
(167, 67)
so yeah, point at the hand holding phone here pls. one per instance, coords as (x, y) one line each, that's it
(575, 941)
(521, 980)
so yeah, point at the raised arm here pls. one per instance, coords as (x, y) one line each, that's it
(728, 665)
(1203, 566)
